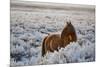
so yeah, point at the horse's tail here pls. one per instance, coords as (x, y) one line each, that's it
(43, 47)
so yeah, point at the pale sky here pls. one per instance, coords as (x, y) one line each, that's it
(89, 2)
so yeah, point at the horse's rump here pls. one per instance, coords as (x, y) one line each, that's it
(43, 46)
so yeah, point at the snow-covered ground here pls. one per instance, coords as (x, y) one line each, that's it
(29, 25)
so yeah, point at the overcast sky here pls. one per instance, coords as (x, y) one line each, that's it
(90, 2)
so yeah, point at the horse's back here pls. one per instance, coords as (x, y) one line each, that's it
(53, 42)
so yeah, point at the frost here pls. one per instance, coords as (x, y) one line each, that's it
(29, 28)
(71, 54)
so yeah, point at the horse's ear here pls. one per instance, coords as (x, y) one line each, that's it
(67, 23)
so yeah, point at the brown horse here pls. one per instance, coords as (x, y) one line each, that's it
(57, 41)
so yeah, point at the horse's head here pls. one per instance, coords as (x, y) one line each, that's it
(68, 28)
(68, 24)
(68, 34)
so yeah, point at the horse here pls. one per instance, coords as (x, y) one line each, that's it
(54, 42)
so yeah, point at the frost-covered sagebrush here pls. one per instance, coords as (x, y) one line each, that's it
(28, 29)
(72, 53)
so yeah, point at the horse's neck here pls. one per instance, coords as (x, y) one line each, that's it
(63, 33)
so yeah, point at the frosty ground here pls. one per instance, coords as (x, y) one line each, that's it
(29, 26)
